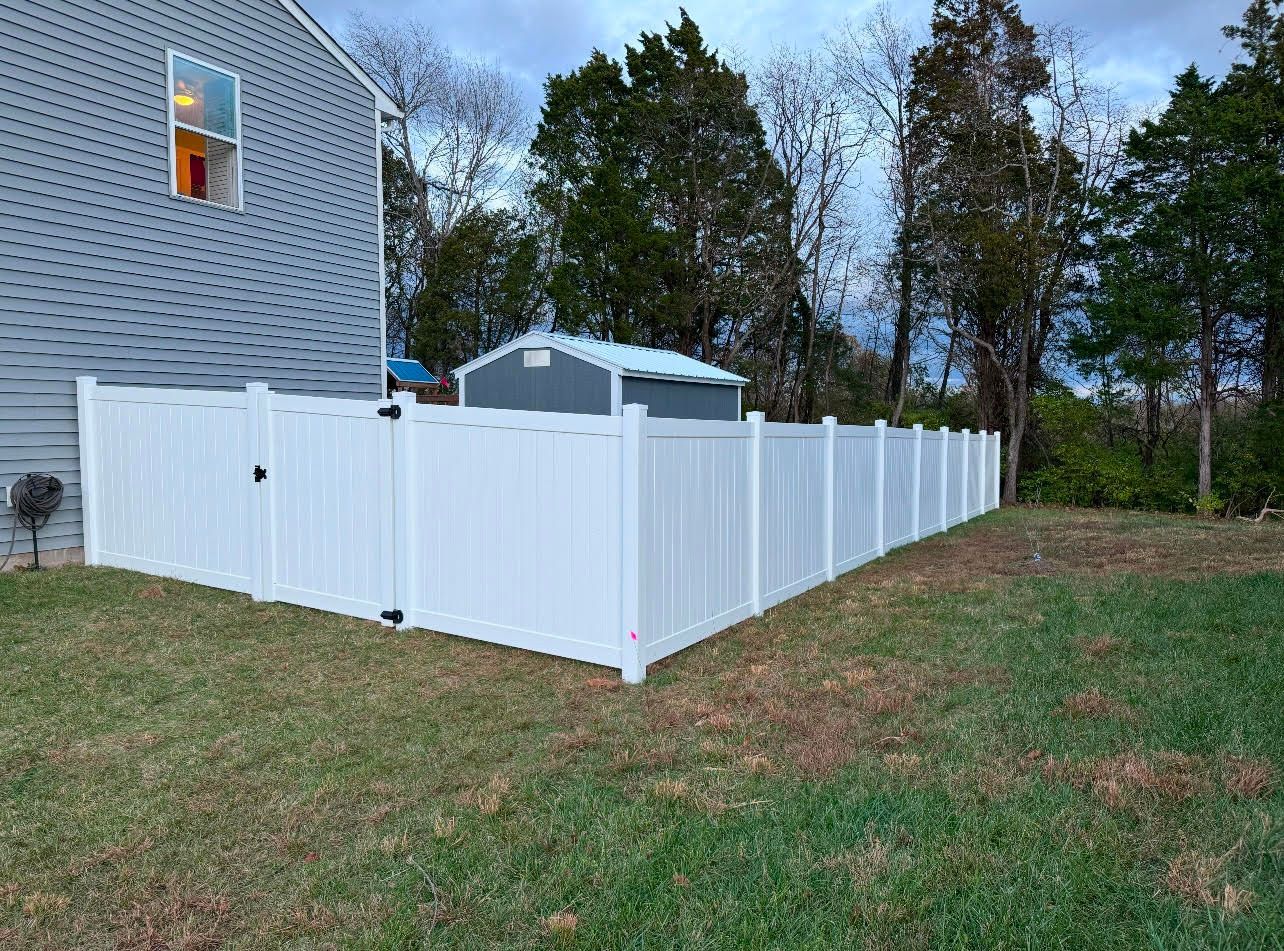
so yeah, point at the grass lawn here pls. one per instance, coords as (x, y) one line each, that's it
(957, 746)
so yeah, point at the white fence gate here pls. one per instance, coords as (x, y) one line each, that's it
(616, 540)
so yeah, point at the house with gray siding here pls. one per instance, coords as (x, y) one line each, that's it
(190, 196)
(558, 373)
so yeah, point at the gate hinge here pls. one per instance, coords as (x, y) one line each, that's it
(392, 412)
(259, 473)
(395, 616)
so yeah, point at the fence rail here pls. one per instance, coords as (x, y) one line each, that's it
(616, 540)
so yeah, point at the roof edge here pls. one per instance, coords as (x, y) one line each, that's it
(383, 102)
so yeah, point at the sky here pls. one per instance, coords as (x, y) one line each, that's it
(1138, 45)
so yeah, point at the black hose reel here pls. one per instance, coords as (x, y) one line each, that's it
(33, 498)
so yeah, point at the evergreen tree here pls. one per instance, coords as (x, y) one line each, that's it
(1176, 199)
(1253, 103)
(671, 219)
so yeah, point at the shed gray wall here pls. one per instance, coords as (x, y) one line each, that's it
(103, 273)
(566, 385)
(677, 399)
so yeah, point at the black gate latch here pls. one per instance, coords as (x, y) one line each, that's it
(259, 473)
(392, 412)
(395, 616)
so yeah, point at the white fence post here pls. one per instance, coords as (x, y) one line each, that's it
(258, 431)
(405, 505)
(880, 481)
(89, 502)
(945, 478)
(967, 439)
(916, 505)
(985, 449)
(632, 664)
(267, 498)
(998, 491)
(756, 419)
(831, 435)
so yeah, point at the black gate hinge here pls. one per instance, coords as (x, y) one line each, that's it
(395, 616)
(259, 473)
(392, 412)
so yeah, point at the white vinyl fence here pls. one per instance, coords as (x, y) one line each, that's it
(617, 540)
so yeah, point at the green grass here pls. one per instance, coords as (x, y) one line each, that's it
(887, 761)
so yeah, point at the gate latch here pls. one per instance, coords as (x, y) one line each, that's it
(259, 473)
(392, 412)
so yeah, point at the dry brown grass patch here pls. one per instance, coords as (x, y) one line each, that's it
(1128, 778)
(112, 855)
(151, 592)
(561, 925)
(1193, 877)
(1100, 646)
(174, 917)
(902, 764)
(671, 789)
(1249, 778)
(490, 798)
(1093, 704)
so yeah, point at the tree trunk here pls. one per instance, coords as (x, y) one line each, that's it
(1207, 395)
(1273, 353)
(898, 369)
(945, 373)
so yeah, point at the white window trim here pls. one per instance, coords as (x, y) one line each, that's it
(172, 124)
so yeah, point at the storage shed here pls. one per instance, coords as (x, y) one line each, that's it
(558, 373)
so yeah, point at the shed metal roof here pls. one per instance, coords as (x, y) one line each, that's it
(410, 371)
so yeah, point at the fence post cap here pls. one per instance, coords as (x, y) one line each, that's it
(881, 423)
(755, 416)
(983, 434)
(256, 387)
(967, 432)
(944, 429)
(829, 420)
(918, 427)
(86, 380)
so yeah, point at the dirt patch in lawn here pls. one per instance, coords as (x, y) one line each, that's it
(1078, 542)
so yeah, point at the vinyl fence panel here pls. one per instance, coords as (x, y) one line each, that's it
(517, 537)
(855, 496)
(696, 532)
(898, 486)
(616, 540)
(931, 481)
(330, 480)
(792, 556)
(955, 474)
(976, 474)
(170, 473)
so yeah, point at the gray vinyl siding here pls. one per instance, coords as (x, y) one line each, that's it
(679, 399)
(566, 385)
(102, 272)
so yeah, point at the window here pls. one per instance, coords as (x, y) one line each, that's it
(535, 358)
(205, 132)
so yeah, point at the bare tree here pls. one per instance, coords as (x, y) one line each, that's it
(460, 139)
(874, 63)
(1054, 177)
(818, 138)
